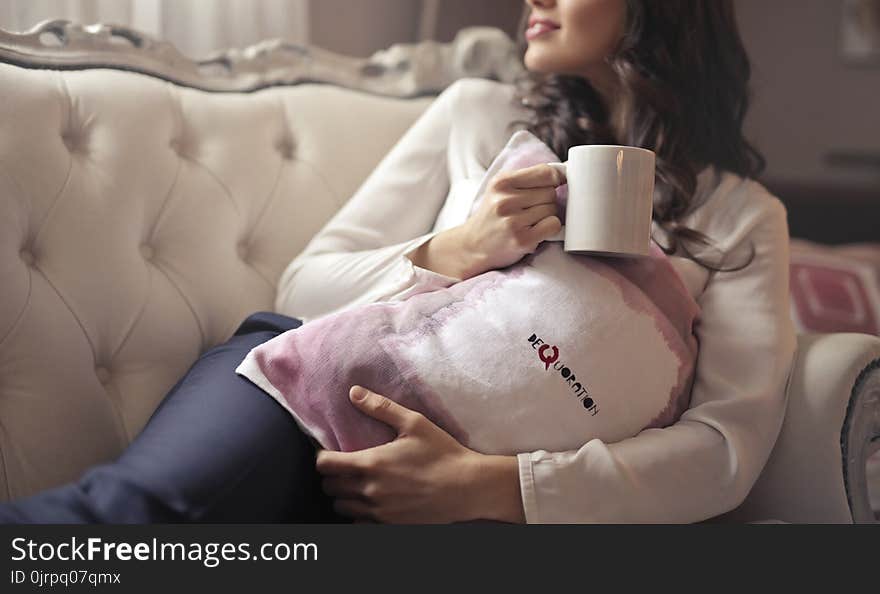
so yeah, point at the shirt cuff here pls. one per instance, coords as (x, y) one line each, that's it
(415, 279)
(527, 488)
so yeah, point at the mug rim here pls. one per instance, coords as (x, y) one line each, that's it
(611, 146)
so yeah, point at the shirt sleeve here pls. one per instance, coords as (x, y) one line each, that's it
(359, 256)
(706, 463)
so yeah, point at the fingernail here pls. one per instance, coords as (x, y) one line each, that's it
(357, 393)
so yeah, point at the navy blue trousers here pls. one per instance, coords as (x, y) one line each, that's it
(217, 449)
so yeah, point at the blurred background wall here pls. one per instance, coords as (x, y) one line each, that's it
(815, 115)
(371, 25)
(811, 105)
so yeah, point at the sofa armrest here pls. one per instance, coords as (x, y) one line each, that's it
(816, 472)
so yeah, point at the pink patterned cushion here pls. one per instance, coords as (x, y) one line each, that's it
(835, 288)
(547, 353)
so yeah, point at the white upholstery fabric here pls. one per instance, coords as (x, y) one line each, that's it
(140, 222)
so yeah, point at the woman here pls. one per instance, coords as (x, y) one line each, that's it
(670, 76)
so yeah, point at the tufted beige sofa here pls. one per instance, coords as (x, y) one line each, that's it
(141, 221)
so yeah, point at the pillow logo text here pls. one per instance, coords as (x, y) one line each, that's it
(549, 355)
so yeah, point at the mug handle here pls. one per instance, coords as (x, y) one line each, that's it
(563, 169)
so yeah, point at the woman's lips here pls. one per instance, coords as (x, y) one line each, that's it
(539, 28)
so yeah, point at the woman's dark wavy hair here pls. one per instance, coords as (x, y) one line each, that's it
(684, 76)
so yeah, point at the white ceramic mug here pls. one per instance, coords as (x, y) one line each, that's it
(610, 200)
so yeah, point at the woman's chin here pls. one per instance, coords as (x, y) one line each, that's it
(538, 63)
(544, 60)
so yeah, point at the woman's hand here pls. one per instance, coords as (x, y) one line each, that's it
(517, 213)
(423, 476)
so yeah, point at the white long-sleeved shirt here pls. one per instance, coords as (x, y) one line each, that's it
(701, 466)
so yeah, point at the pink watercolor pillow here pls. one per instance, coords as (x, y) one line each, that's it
(548, 353)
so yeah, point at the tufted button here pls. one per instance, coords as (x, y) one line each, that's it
(287, 147)
(103, 374)
(27, 257)
(243, 250)
(179, 146)
(147, 252)
(74, 141)
(67, 139)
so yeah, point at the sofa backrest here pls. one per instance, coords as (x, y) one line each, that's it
(140, 222)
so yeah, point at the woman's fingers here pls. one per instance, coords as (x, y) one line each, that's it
(546, 227)
(512, 204)
(536, 176)
(342, 463)
(384, 409)
(531, 216)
